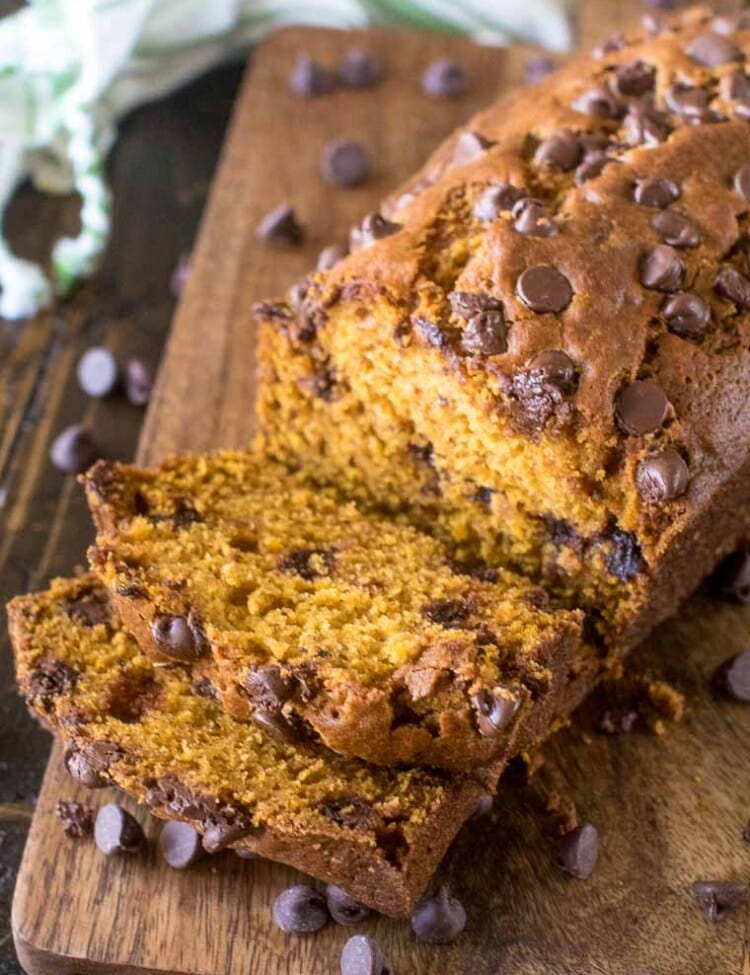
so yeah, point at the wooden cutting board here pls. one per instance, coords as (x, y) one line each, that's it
(670, 809)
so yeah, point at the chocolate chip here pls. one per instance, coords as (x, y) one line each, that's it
(657, 193)
(344, 162)
(116, 831)
(644, 125)
(538, 66)
(641, 407)
(741, 181)
(691, 103)
(91, 609)
(556, 368)
(300, 910)
(624, 559)
(496, 199)
(139, 382)
(433, 333)
(733, 677)
(77, 820)
(176, 638)
(734, 576)
(362, 956)
(712, 50)
(600, 102)
(221, 834)
(662, 476)
(717, 898)
(97, 372)
(662, 269)
(494, 710)
(635, 79)
(49, 678)
(544, 289)
(375, 227)
(358, 69)
(577, 851)
(675, 228)
(89, 763)
(732, 284)
(615, 42)
(484, 806)
(450, 613)
(469, 147)
(444, 78)
(280, 227)
(687, 314)
(246, 854)
(742, 110)
(532, 219)
(330, 256)
(74, 450)
(591, 167)
(310, 79)
(343, 908)
(562, 150)
(485, 333)
(204, 687)
(728, 24)
(180, 845)
(735, 86)
(310, 563)
(268, 688)
(276, 725)
(438, 919)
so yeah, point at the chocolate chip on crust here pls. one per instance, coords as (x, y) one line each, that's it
(732, 284)
(675, 228)
(532, 218)
(641, 407)
(687, 315)
(663, 476)
(635, 79)
(733, 576)
(657, 193)
(543, 288)
(496, 199)
(712, 50)
(662, 269)
(562, 150)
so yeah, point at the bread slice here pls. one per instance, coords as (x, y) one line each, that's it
(324, 620)
(157, 733)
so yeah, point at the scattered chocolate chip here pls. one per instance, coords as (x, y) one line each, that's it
(532, 219)
(219, 835)
(732, 284)
(139, 382)
(97, 372)
(556, 368)
(330, 256)
(735, 85)
(375, 227)
(77, 820)
(538, 66)
(300, 910)
(358, 69)
(268, 688)
(600, 102)
(343, 908)
(741, 181)
(181, 275)
(450, 613)
(733, 677)
(496, 199)
(644, 125)
(438, 919)
(116, 831)
(310, 563)
(691, 103)
(716, 898)
(445, 78)
(494, 710)
(180, 845)
(676, 228)
(275, 724)
(657, 193)
(733, 576)
(74, 450)
(562, 150)
(711, 49)
(635, 79)
(662, 476)
(310, 79)
(280, 227)
(362, 956)
(470, 146)
(577, 851)
(344, 162)
(641, 407)
(662, 269)
(687, 314)
(544, 289)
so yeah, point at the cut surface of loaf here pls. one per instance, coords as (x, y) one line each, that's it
(156, 732)
(320, 619)
(542, 344)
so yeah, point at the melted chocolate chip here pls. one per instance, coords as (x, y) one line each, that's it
(635, 79)
(449, 613)
(348, 811)
(641, 407)
(644, 125)
(600, 102)
(496, 199)
(49, 679)
(732, 284)
(741, 181)
(310, 563)
(343, 908)
(717, 898)
(544, 289)
(280, 227)
(376, 227)
(438, 919)
(687, 315)
(735, 86)
(532, 219)
(494, 710)
(537, 401)
(222, 832)
(556, 368)
(268, 688)
(657, 193)
(469, 147)
(274, 723)
(691, 103)
(624, 559)
(561, 150)
(180, 638)
(89, 763)
(676, 228)
(662, 269)
(711, 49)
(77, 820)
(591, 167)
(300, 910)
(433, 333)
(733, 677)
(577, 851)
(116, 831)
(662, 476)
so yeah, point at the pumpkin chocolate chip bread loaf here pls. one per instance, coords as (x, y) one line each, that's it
(157, 733)
(320, 618)
(542, 342)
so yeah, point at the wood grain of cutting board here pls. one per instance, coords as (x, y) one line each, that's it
(670, 808)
